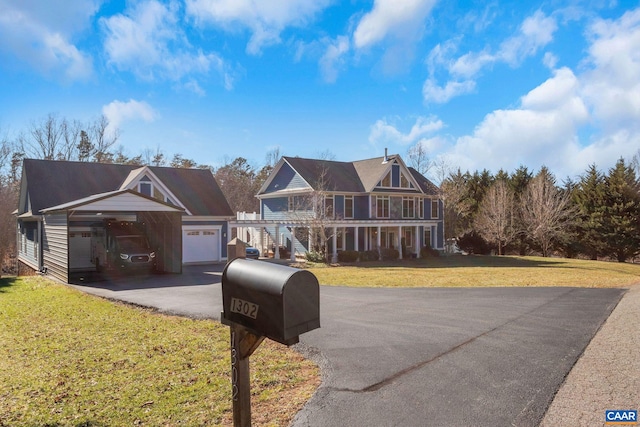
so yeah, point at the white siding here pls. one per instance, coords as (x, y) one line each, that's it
(124, 202)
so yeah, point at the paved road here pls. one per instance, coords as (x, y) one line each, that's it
(416, 357)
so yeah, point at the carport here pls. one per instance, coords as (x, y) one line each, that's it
(66, 230)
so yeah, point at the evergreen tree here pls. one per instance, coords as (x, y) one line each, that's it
(519, 180)
(588, 198)
(622, 212)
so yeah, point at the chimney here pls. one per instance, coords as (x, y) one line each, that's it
(386, 156)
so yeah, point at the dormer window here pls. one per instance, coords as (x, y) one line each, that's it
(147, 188)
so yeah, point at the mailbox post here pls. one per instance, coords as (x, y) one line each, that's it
(261, 299)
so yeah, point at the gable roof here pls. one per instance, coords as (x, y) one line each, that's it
(328, 174)
(351, 177)
(120, 197)
(426, 186)
(50, 183)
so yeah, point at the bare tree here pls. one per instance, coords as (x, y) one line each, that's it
(153, 158)
(496, 219)
(419, 158)
(441, 169)
(272, 157)
(102, 138)
(5, 153)
(43, 138)
(53, 138)
(71, 131)
(545, 211)
(8, 203)
(326, 155)
(316, 211)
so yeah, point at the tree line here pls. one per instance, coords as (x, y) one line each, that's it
(596, 216)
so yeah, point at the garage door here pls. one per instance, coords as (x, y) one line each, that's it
(201, 245)
(80, 249)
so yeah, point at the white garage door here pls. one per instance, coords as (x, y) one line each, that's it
(80, 249)
(200, 245)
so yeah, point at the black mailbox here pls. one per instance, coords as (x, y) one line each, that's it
(272, 300)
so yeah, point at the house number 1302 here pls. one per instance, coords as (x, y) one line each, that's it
(243, 307)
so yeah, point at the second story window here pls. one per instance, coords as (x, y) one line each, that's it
(382, 207)
(292, 204)
(328, 207)
(348, 206)
(434, 209)
(408, 207)
(420, 202)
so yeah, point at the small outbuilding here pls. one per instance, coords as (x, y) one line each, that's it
(62, 204)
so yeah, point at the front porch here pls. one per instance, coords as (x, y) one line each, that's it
(408, 237)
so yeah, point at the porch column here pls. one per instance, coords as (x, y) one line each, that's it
(367, 246)
(378, 240)
(334, 256)
(276, 251)
(293, 244)
(356, 237)
(416, 240)
(400, 242)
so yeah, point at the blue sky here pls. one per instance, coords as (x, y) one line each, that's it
(482, 84)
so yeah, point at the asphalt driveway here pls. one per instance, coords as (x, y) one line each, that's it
(416, 357)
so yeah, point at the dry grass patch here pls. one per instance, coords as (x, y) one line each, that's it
(480, 271)
(70, 359)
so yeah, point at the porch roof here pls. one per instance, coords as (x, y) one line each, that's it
(333, 223)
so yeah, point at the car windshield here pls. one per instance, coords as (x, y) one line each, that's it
(133, 244)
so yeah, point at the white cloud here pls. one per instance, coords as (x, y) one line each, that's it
(470, 64)
(549, 125)
(149, 41)
(440, 55)
(333, 58)
(391, 18)
(266, 19)
(118, 112)
(612, 86)
(553, 93)
(543, 131)
(40, 35)
(535, 32)
(431, 92)
(384, 133)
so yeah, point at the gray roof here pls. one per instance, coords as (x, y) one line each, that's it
(97, 197)
(352, 177)
(51, 183)
(327, 174)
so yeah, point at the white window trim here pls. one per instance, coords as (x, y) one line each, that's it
(411, 214)
(388, 199)
(345, 207)
(437, 205)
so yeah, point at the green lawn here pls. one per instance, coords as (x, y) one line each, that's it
(481, 271)
(70, 359)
